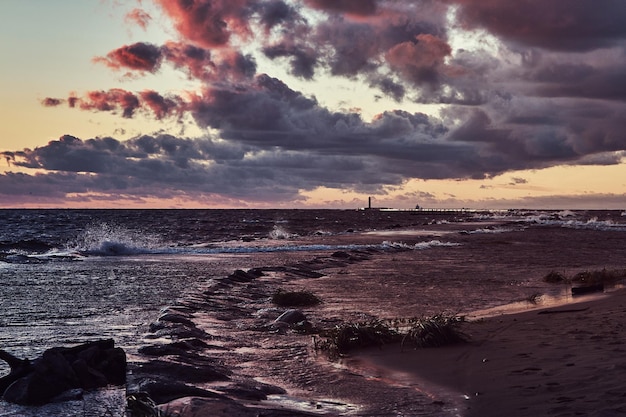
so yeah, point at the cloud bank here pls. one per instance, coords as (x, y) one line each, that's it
(545, 88)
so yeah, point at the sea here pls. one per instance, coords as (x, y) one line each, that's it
(70, 276)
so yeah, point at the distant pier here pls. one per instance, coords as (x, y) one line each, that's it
(419, 210)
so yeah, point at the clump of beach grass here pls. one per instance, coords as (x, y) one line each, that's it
(438, 330)
(295, 298)
(599, 276)
(349, 336)
(435, 331)
(554, 277)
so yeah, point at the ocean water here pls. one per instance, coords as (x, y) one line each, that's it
(69, 276)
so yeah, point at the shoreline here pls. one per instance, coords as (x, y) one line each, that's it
(389, 285)
(557, 361)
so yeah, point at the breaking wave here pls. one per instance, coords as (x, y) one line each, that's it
(109, 240)
(279, 232)
(590, 224)
(419, 245)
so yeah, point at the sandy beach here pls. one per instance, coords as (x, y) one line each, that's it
(561, 361)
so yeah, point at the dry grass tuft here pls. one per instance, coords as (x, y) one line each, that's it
(438, 330)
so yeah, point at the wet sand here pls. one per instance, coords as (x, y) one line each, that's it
(562, 361)
(565, 362)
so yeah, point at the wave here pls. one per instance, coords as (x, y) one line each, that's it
(281, 233)
(417, 246)
(590, 224)
(269, 248)
(489, 230)
(109, 240)
(25, 246)
(559, 218)
(117, 249)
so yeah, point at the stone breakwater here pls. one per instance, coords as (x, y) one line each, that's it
(211, 353)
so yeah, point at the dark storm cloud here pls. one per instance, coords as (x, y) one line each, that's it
(356, 7)
(573, 25)
(581, 80)
(551, 93)
(274, 13)
(303, 60)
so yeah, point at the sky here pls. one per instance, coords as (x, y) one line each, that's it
(484, 104)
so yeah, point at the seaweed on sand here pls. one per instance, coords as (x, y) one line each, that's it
(554, 277)
(438, 330)
(599, 276)
(347, 336)
(295, 298)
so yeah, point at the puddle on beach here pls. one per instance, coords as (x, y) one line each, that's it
(542, 301)
(436, 398)
(321, 406)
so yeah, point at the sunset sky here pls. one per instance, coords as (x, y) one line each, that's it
(313, 103)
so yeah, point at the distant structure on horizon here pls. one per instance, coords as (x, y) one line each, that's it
(369, 206)
(418, 209)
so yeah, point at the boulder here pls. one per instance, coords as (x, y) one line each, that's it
(196, 373)
(164, 390)
(291, 317)
(87, 366)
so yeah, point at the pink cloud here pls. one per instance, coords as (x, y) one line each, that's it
(111, 100)
(209, 23)
(420, 61)
(139, 56)
(139, 17)
(51, 102)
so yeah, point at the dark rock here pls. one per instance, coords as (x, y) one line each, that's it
(87, 366)
(252, 390)
(204, 407)
(587, 289)
(341, 254)
(291, 317)
(241, 276)
(183, 372)
(179, 332)
(176, 318)
(175, 348)
(165, 390)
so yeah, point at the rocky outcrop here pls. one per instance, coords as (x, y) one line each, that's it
(87, 366)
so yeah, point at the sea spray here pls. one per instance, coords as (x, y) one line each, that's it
(109, 240)
(279, 232)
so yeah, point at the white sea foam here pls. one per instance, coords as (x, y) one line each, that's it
(490, 230)
(418, 246)
(108, 240)
(279, 232)
(116, 248)
(591, 224)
